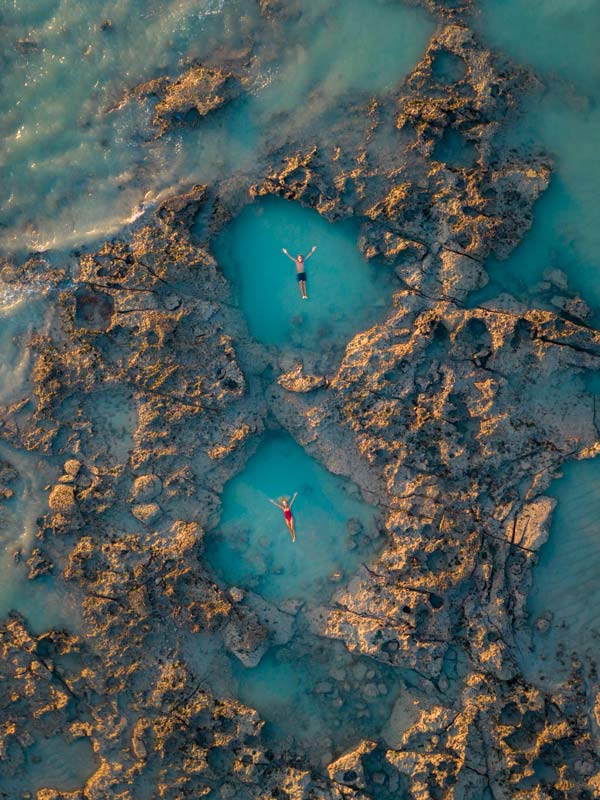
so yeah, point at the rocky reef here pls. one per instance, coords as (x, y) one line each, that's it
(147, 394)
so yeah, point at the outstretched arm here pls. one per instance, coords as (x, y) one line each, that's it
(306, 257)
(275, 504)
(291, 503)
(289, 256)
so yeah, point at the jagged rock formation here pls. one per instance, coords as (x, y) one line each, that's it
(453, 420)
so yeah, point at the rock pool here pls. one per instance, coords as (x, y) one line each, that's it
(563, 119)
(337, 699)
(346, 293)
(251, 547)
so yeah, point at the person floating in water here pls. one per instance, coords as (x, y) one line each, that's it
(300, 261)
(287, 514)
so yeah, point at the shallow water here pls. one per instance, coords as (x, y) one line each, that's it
(565, 581)
(563, 119)
(22, 313)
(44, 603)
(338, 699)
(54, 763)
(345, 292)
(72, 170)
(76, 166)
(251, 547)
(558, 38)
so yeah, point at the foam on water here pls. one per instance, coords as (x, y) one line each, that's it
(346, 293)
(71, 171)
(251, 546)
(23, 311)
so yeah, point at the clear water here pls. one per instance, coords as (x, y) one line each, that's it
(75, 165)
(345, 292)
(44, 602)
(558, 38)
(337, 699)
(251, 547)
(22, 313)
(54, 763)
(563, 119)
(566, 578)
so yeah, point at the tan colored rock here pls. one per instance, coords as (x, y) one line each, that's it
(348, 769)
(297, 381)
(62, 498)
(531, 526)
(146, 512)
(146, 488)
(199, 90)
(72, 467)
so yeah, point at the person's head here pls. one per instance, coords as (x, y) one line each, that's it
(300, 258)
(284, 503)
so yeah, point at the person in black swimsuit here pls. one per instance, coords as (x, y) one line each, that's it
(300, 261)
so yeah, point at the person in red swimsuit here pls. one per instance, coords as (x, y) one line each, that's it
(287, 514)
(300, 261)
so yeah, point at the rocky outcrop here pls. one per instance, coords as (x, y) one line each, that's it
(452, 419)
(188, 98)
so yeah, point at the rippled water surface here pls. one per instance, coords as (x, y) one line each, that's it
(80, 159)
(75, 163)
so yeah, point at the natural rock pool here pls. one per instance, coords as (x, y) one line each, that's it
(345, 292)
(55, 763)
(338, 699)
(563, 120)
(251, 547)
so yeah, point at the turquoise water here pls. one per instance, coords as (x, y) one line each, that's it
(251, 547)
(565, 581)
(563, 119)
(345, 292)
(337, 699)
(558, 38)
(76, 164)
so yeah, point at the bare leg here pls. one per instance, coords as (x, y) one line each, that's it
(291, 529)
(303, 290)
